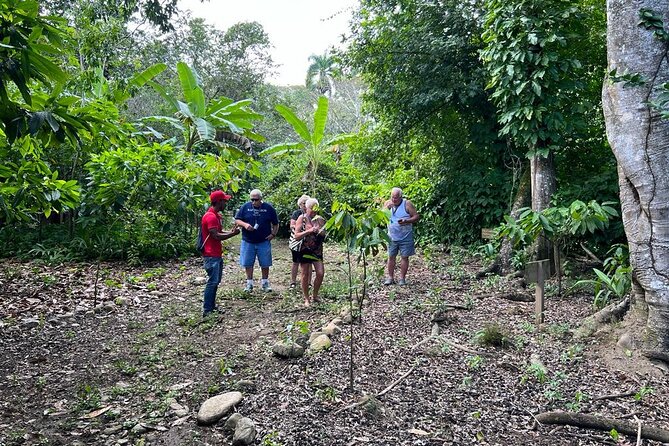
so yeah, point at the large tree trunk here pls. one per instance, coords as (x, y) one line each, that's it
(522, 199)
(542, 172)
(639, 138)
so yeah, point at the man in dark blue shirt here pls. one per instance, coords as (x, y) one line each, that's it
(259, 224)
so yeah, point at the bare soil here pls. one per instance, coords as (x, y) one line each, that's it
(129, 360)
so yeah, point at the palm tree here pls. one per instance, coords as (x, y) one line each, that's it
(321, 73)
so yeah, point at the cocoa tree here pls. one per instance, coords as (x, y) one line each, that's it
(635, 108)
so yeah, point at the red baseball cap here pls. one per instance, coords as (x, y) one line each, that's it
(219, 195)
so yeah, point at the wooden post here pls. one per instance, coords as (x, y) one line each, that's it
(539, 298)
(536, 272)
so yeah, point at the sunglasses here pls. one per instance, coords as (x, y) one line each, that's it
(255, 199)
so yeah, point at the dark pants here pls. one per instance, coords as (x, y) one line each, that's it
(214, 268)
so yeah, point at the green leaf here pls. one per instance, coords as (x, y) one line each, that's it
(298, 125)
(320, 120)
(140, 79)
(281, 149)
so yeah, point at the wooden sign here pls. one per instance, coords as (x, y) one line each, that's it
(535, 272)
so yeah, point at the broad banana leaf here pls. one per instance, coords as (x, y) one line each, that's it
(174, 122)
(282, 149)
(298, 125)
(140, 79)
(320, 120)
(205, 131)
(345, 138)
(165, 95)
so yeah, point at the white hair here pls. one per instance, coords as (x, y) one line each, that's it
(311, 202)
(302, 200)
(256, 192)
(396, 190)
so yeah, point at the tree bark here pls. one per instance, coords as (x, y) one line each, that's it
(542, 172)
(522, 199)
(603, 424)
(639, 138)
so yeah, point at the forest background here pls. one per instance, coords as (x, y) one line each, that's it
(118, 121)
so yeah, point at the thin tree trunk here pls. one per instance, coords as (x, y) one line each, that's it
(639, 138)
(542, 172)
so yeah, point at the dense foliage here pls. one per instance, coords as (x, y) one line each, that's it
(111, 136)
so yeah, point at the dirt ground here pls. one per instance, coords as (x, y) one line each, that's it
(129, 360)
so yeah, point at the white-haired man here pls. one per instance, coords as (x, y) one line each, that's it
(259, 224)
(400, 230)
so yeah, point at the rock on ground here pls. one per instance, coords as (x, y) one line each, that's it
(216, 407)
(245, 432)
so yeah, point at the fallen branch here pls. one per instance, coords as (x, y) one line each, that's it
(592, 323)
(396, 382)
(603, 424)
(515, 296)
(591, 255)
(615, 396)
(363, 400)
(493, 268)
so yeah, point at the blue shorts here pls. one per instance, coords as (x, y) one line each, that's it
(405, 247)
(249, 251)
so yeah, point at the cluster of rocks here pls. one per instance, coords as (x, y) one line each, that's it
(313, 342)
(241, 428)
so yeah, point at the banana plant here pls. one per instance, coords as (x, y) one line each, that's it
(312, 144)
(199, 120)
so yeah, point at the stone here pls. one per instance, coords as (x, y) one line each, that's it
(314, 335)
(30, 323)
(245, 432)
(321, 343)
(288, 349)
(111, 430)
(626, 342)
(331, 329)
(231, 422)
(199, 280)
(139, 429)
(337, 321)
(216, 407)
(245, 384)
(121, 301)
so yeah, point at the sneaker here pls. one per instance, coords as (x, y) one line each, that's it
(402, 282)
(266, 288)
(215, 312)
(388, 281)
(248, 288)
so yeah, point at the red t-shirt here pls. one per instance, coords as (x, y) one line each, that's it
(211, 220)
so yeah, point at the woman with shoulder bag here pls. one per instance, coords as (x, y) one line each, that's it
(309, 228)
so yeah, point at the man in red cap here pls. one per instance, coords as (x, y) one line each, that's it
(212, 230)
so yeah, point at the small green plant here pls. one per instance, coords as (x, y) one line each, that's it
(466, 382)
(474, 361)
(225, 367)
(41, 382)
(88, 398)
(528, 327)
(327, 394)
(535, 370)
(271, 439)
(572, 354)
(295, 329)
(615, 280)
(615, 436)
(125, 367)
(575, 405)
(559, 330)
(643, 391)
(492, 335)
